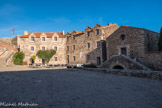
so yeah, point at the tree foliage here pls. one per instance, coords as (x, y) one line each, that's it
(18, 58)
(33, 57)
(160, 41)
(46, 55)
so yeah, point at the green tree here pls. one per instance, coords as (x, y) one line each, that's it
(18, 58)
(46, 55)
(160, 41)
(33, 58)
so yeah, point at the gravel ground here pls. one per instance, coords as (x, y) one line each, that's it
(68, 88)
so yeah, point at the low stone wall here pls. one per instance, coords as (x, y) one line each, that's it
(157, 75)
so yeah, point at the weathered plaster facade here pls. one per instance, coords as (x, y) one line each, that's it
(31, 43)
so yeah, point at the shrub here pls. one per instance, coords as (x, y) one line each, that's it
(33, 57)
(18, 58)
(90, 66)
(46, 55)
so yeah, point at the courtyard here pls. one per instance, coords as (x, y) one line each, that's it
(76, 88)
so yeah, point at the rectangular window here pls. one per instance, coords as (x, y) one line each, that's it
(55, 38)
(43, 39)
(124, 51)
(88, 45)
(55, 48)
(43, 48)
(67, 38)
(73, 37)
(32, 39)
(73, 47)
(74, 58)
(55, 58)
(67, 48)
(32, 48)
(88, 57)
(88, 33)
(68, 59)
(98, 44)
(98, 61)
(97, 31)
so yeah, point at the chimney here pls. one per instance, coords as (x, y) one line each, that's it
(63, 32)
(25, 32)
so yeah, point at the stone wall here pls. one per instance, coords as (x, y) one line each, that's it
(82, 40)
(153, 60)
(25, 45)
(138, 42)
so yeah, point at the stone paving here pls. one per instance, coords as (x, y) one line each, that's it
(72, 88)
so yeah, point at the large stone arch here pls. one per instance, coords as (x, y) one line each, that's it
(125, 62)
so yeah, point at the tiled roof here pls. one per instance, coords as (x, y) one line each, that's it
(7, 46)
(48, 34)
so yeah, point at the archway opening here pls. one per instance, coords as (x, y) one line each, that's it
(118, 67)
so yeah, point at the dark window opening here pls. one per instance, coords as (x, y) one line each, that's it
(73, 37)
(33, 39)
(123, 37)
(88, 33)
(55, 38)
(97, 31)
(74, 58)
(73, 47)
(88, 57)
(124, 51)
(88, 45)
(43, 39)
(98, 44)
(98, 61)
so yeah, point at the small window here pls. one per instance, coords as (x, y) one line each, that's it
(43, 48)
(73, 47)
(123, 37)
(88, 45)
(68, 59)
(88, 33)
(67, 38)
(97, 31)
(55, 38)
(67, 48)
(98, 44)
(55, 59)
(74, 58)
(124, 51)
(32, 39)
(32, 48)
(43, 39)
(88, 57)
(73, 37)
(55, 48)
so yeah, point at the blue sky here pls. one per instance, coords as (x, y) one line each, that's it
(69, 15)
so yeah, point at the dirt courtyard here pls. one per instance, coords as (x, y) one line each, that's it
(75, 88)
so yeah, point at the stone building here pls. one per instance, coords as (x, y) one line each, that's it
(133, 48)
(108, 46)
(31, 43)
(87, 47)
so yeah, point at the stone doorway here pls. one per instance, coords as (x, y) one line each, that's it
(43, 61)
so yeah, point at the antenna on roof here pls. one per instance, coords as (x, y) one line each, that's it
(13, 31)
